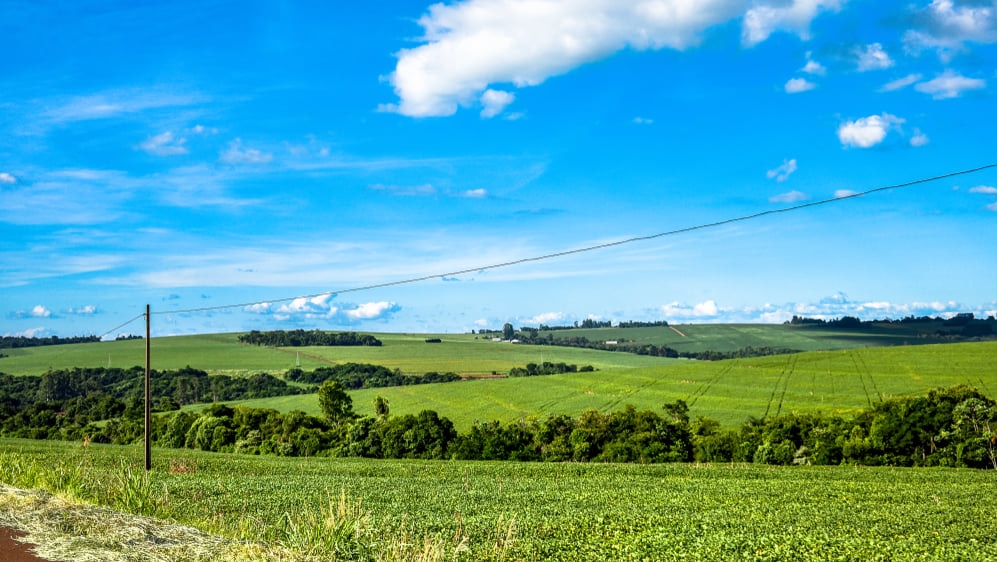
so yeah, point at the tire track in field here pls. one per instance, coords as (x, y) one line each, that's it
(703, 388)
(872, 380)
(855, 363)
(775, 388)
(785, 385)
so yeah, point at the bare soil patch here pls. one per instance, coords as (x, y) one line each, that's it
(13, 550)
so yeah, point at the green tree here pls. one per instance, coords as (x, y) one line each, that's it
(336, 404)
(508, 332)
(381, 406)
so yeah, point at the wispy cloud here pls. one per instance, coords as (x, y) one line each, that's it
(919, 139)
(116, 103)
(164, 144)
(949, 85)
(947, 27)
(423, 190)
(813, 67)
(986, 189)
(237, 154)
(900, 83)
(789, 197)
(782, 173)
(8, 178)
(798, 85)
(494, 101)
(872, 57)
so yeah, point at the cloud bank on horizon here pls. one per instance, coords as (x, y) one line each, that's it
(259, 153)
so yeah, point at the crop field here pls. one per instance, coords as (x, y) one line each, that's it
(731, 337)
(512, 511)
(835, 382)
(223, 354)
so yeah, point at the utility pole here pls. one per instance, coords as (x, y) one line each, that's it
(148, 392)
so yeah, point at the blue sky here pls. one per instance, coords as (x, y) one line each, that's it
(202, 154)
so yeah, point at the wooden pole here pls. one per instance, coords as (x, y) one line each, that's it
(148, 392)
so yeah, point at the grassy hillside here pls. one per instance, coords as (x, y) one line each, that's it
(841, 382)
(223, 354)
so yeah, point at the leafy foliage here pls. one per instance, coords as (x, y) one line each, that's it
(302, 338)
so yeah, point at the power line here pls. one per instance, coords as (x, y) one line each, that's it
(583, 249)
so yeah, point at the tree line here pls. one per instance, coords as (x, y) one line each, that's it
(302, 338)
(14, 342)
(354, 376)
(69, 403)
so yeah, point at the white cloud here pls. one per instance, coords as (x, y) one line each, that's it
(548, 318)
(946, 27)
(989, 190)
(682, 311)
(795, 16)
(839, 193)
(873, 57)
(919, 139)
(900, 83)
(783, 172)
(797, 85)
(259, 308)
(164, 144)
(236, 154)
(371, 310)
(202, 130)
(38, 311)
(321, 307)
(7, 178)
(789, 197)
(643, 121)
(467, 46)
(494, 101)
(992, 207)
(949, 85)
(813, 67)
(83, 310)
(867, 132)
(476, 193)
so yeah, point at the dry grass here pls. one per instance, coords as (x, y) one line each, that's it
(72, 531)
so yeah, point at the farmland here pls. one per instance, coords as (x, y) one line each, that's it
(486, 510)
(832, 382)
(544, 511)
(223, 354)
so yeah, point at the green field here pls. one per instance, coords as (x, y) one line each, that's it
(731, 337)
(835, 382)
(223, 354)
(839, 381)
(522, 511)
